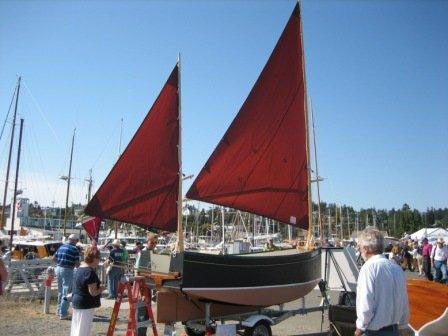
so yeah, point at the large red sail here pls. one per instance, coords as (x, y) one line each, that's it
(260, 165)
(142, 187)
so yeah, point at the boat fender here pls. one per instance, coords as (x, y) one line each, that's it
(254, 319)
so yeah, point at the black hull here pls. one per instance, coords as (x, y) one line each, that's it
(251, 280)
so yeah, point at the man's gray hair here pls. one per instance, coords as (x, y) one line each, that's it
(372, 240)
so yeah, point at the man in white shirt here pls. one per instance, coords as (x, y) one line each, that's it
(381, 298)
(439, 258)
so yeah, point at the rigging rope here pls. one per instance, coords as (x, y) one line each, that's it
(58, 141)
(7, 115)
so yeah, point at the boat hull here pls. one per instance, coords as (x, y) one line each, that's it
(261, 279)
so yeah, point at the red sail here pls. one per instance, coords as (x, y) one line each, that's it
(142, 187)
(260, 165)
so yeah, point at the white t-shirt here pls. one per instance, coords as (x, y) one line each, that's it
(440, 254)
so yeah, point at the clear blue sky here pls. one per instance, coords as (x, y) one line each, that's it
(377, 73)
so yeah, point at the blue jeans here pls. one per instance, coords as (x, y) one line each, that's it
(438, 267)
(112, 281)
(446, 271)
(65, 284)
(393, 332)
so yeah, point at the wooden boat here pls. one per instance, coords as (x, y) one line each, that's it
(428, 302)
(260, 166)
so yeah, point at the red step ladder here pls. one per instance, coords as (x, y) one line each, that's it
(138, 294)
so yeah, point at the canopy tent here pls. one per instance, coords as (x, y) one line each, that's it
(431, 233)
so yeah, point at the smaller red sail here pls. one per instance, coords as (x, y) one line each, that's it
(92, 226)
(260, 165)
(142, 187)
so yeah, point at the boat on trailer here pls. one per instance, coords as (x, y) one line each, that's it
(256, 279)
(260, 166)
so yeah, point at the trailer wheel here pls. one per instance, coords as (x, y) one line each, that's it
(193, 332)
(261, 328)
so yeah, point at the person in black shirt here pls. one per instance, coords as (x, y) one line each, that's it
(87, 291)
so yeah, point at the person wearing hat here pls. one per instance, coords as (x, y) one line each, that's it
(439, 258)
(116, 270)
(66, 258)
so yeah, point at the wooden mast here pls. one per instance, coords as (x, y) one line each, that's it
(180, 233)
(13, 205)
(116, 226)
(223, 248)
(9, 155)
(318, 179)
(308, 166)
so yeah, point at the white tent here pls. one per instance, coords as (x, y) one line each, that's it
(431, 233)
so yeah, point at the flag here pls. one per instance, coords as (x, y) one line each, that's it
(92, 226)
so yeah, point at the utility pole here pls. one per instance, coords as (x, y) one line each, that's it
(9, 155)
(68, 183)
(13, 206)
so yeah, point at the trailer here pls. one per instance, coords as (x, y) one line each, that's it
(339, 270)
(258, 323)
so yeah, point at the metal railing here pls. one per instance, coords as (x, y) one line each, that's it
(26, 277)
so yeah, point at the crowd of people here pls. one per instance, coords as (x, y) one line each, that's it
(429, 260)
(79, 283)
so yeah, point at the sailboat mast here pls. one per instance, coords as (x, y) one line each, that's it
(321, 228)
(13, 207)
(348, 223)
(116, 224)
(357, 224)
(223, 249)
(308, 166)
(89, 188)
(180, 234)
(341, 219)
(68, 183)
(10, 153)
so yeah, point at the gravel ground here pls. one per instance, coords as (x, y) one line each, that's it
(26, 318)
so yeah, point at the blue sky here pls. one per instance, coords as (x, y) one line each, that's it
(377, 75)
